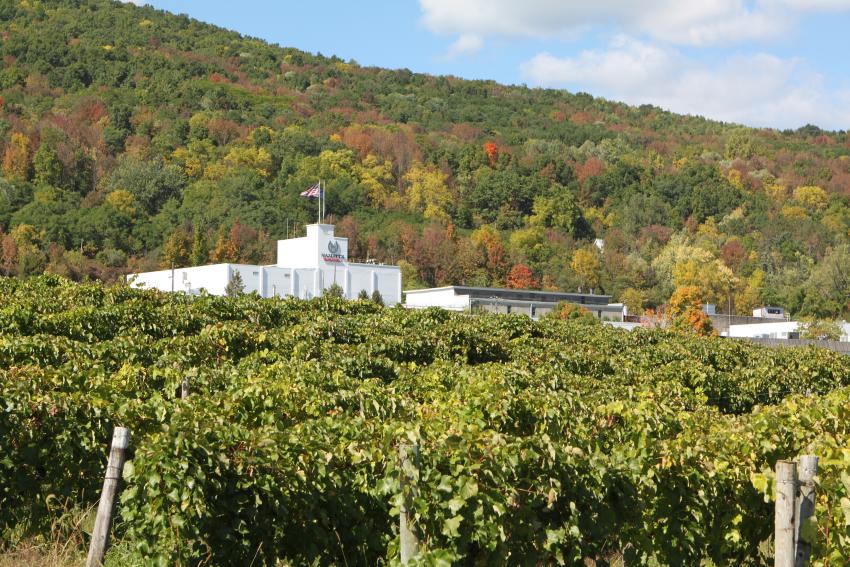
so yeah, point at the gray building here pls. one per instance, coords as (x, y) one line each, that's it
(533, 303)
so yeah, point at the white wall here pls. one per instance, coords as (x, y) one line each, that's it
(440, 297)
(265, 280)
(190, 280)
(778, 330)
(296, 253)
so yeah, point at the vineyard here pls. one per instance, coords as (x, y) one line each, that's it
(540, 443)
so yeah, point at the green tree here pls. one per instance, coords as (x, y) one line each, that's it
(151, 183)
(200, 251)
(334, 290)
(46, 166)
(235, 287)
(821, 330)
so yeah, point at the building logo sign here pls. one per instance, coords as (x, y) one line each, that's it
(333, 254)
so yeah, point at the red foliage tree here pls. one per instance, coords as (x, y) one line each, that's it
(733, 254)
(492, 151)
(521, 277)
(591, 168)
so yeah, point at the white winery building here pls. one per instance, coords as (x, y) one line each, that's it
(306, 266)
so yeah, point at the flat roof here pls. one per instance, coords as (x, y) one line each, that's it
(520, 294)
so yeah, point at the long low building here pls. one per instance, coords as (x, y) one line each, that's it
(305, 268)
(778, 330)
(533, 303)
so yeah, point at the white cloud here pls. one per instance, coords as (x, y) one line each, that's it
(758, 90)
(466, 44)
(691, 22)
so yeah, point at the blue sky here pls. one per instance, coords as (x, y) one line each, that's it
(775, 63)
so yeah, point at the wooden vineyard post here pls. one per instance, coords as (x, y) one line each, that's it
(184, 388)
(786, 502)
(805, 506)
(103, 521)
(409, 540)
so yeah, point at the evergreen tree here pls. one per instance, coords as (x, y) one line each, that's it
(377, 298)
(363, 295)
(235, 287)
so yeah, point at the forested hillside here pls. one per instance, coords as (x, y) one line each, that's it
(134, 139)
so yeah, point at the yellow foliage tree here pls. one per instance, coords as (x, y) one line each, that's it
(175, 251)
(194, 157)
(427, 192)
(634, 299)
(811, 197)
(685, 308)
(777, 192)
(377, 177)
(587, 265)
(794, 212)
(26, 238)
(749, 297)
(258, 159)
(16, 160)
(713, 279)
(676, 251)
(122, 201)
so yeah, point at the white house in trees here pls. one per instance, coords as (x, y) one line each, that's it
(306, 266)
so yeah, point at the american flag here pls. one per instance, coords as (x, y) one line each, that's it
(312, 191)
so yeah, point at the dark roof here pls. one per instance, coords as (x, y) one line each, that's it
(524, 295)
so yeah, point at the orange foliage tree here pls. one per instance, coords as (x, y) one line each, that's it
(686, 311)
(492, 151)
(521, 277)
(225, 249)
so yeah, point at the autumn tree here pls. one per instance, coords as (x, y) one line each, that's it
(225, 249)
(16, 160)
(634, 300)
(571, 312)
(521, 277)
(427, 192)
(122, 201)
(495, 257)
(685, 309)
(8, 255)
(588, 266)
(175, 251)
(750, 296)
(811, 197)
(376, 176)
(492, 151)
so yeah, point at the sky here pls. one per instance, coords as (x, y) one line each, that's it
(764, 63)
